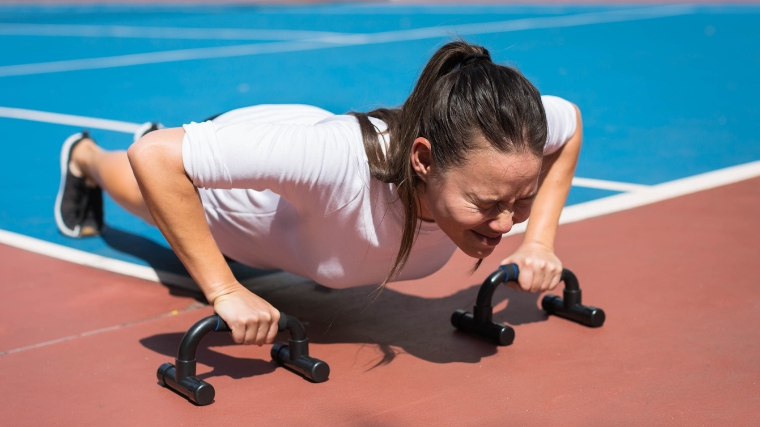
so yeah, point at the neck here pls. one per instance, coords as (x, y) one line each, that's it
(422, 208)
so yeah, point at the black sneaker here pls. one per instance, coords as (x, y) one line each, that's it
(145, 129)
(78, 207)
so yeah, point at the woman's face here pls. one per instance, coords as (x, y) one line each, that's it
(474, 204)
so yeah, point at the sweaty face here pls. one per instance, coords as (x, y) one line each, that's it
(474, 204)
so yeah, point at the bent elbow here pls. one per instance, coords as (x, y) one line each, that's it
(161, 148)
(146, 147)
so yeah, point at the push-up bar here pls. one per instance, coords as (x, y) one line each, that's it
(293, 355)
(480, 322)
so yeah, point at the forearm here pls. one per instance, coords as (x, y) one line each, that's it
(554, 185)
(176, 208)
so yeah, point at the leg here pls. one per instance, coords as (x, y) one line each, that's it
(112, 172)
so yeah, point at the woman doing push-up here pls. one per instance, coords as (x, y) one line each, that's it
(345, 200)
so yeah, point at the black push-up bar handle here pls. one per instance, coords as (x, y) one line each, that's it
(294, 355)
(480, 321)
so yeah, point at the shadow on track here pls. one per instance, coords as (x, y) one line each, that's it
(167, 265)
(394, 323)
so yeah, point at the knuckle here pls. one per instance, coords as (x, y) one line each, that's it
(265, 317)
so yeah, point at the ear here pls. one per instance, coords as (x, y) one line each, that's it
(422, 158)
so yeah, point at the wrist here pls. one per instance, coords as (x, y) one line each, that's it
(542, 244)
(221, 290)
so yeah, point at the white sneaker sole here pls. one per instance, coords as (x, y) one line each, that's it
(65, 153)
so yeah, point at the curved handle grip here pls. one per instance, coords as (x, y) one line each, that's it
(505, 273)
(289, 323)
(510, 273)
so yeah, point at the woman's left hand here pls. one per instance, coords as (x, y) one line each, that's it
(540, 269)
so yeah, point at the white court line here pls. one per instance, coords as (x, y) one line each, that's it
(68, 119)
(158, 57)
(513, 25)
(130, 128)
(608, 185)
(579, 212)
(347, 40)
(121, 31)
(100, 262)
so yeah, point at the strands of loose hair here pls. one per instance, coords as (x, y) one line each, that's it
(460, 94)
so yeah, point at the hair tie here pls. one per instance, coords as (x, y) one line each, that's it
(472, 57)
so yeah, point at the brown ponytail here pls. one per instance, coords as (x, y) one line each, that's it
(460, 94)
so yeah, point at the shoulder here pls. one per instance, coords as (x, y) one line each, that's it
(561, 121)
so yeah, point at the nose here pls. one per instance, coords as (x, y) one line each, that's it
(502, 223)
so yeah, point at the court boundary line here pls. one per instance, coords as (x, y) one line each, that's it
(68, 120)
(603, 184)
(573, 20)
(587, 210)
(148, 32)
(131, 128)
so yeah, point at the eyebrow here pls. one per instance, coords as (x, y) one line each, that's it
(480, 200)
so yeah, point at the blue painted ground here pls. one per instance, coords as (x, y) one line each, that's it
(662, 98)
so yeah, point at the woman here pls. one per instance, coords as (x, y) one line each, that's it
(346, 200)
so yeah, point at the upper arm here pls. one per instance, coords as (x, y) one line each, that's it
(563, 122)
(565, 138)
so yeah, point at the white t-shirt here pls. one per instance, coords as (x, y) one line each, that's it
(288, 187)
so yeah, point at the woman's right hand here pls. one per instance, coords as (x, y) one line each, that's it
(177, 210)
(251, 319)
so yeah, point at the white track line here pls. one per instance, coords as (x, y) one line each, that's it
(131, 128)
(68, 119)
(608, 185)
(100, 262)
(579, 212)
(620, 15)
(158, 57)
(347, 40)
(121, 31)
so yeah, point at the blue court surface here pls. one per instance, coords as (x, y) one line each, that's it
(666, 92)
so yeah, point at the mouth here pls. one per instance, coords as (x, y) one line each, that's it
(487, 240)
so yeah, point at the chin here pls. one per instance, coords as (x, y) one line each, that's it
(478, 253)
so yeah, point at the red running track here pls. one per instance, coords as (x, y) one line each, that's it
(678, 280)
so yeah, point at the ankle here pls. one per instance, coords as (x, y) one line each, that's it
(82, 158)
